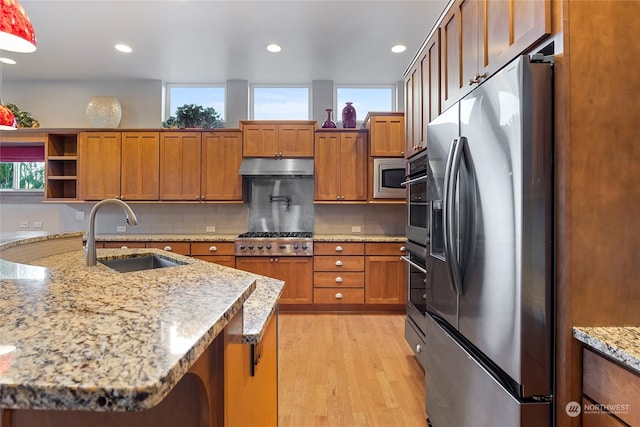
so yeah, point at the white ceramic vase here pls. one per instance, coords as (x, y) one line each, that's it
(103, 112)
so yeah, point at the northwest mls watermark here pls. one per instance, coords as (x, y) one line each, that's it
(573, 408)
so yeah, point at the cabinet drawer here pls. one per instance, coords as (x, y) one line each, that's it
(332, 248)
(338, 263)
(226, 260)
(212, 248)
(338, 280)
(123, 245)
(338, 296)
(598, 419)
(384, 248)
(182, 248)
(607, 383)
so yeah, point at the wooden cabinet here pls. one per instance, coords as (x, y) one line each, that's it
(386, 134)
(295, 271)
(181, 248)
(385, 278)
(121, 165)
(338, 276)
(606, 384)
(277, 138)
(251, 380)
(61, 166)
(222, 253)
(481, 36)
(201, 166)
(340, 166)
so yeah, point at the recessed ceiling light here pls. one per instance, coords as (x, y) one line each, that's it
(399, 48)
(7, 61)
(123, 48)
(274, 48)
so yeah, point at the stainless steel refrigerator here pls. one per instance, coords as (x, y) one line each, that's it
(490, 280)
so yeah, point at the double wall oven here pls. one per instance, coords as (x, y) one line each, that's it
(417, 241)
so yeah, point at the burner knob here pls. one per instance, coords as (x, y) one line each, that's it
(295, 246)
(260, 246)
(304, 246)
(250, 246)
(268, 245)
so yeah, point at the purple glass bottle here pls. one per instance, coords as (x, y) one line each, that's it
(349, 116)
(329, 123)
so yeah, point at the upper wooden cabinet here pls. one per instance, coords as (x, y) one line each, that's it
(277, 138)
(200, 166)
(340, 166)
(480, 36)
(386, 134)
(61, 170)
(121, 165)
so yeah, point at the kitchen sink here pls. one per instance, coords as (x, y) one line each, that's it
(140, 262)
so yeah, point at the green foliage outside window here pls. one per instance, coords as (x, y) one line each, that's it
(21, 175)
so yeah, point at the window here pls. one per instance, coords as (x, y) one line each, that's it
(365, 99)
(280, 103)
(205, 96)
(22, 167)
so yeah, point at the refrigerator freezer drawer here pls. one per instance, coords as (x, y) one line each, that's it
(415, 339)
(461, 393)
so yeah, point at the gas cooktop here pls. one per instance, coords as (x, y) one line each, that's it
(276, 235)
(275, 243)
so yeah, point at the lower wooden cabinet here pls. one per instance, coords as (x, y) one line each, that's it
(385, 279)
(338, 273)
(295, 271)
(610, 393)
(251, 380)
(181, 248)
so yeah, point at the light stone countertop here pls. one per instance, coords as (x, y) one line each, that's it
(619, 343)
(231, 237)
(93, 339)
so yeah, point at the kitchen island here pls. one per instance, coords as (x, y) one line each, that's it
(91, 346)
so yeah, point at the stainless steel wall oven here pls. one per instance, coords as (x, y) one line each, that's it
(417, 218)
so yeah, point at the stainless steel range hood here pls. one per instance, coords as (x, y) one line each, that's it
(262, 167)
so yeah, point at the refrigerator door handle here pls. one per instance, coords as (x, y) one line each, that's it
(450, 230)
(447, 213)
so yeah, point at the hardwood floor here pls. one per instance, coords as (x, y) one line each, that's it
(347, 370)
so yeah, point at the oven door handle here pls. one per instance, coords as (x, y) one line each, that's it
(406, 259)
(414, 180)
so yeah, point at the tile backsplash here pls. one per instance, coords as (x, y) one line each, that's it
(168, 218)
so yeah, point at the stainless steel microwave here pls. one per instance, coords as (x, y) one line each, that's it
(388, 176)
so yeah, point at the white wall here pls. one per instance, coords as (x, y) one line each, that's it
(62, 104)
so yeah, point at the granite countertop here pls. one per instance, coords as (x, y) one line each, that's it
(619, 343)
(231, 237)
(77, 337)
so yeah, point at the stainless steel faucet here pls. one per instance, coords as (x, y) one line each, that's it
(91, 238)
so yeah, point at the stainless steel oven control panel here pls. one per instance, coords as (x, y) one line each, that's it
(274, 247)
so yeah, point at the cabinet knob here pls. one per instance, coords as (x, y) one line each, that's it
(167, 248)
(338, 279)
(418, 348)
(338, 295)
(338, 248)
(124, 247)
(339, 263)
(403, 249)
(213, 248)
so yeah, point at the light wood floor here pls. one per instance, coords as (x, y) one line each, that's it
(347, 370)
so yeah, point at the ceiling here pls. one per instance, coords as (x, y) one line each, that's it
(211, 41)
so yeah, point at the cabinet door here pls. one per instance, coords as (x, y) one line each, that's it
(140, 166)
(385, 280)
(221, 158)
(353, 166)
(430, 78)
(327, 168)
(297, 273)
(180, 166)
(413, 114)
(295, 140)
(386, 136)
(264, 266)
(99, 163)
(260, 140)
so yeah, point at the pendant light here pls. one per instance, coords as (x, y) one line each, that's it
(16, 30)
(7, 119)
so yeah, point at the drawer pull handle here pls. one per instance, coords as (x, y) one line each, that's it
(167, 248)
(339, 263)
(338, 295)
(339, 249)
(338, 279)
(213, 249)
(124, 247)
(403, 249)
